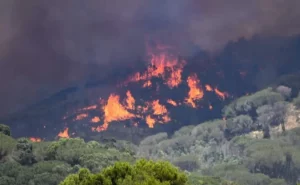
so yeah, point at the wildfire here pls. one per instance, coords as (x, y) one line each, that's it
(35, 139)
(195, 93)
(162, 65)
(64, 134)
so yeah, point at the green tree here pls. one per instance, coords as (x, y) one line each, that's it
(23, 152)
(143, 172)
(5, 129)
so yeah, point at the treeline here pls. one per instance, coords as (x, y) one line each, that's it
(257, 142)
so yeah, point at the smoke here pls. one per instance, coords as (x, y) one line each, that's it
(48, 45)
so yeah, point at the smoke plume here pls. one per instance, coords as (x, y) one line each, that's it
(48, 45)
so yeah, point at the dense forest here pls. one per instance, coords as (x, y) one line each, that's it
(256, 143)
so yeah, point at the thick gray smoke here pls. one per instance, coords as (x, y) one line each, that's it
(47, 45)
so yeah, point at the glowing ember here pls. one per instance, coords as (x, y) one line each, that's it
(96, 119)
(150, 121)
(35, 139)
(80, 117)
(195, 92)
(64, 134)
(222, 95)
(172, 102)
(208, 88)
(92, 107)
(148, 83)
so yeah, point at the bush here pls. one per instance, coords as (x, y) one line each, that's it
(238, 125)
(5, 129)
(296, 101)
(272, 115)
(284, 91)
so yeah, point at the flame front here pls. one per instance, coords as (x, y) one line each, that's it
(163, 65)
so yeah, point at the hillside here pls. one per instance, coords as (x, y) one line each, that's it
(257, 143)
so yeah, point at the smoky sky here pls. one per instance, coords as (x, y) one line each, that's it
(48, 45)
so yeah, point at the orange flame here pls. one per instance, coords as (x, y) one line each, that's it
(150, 121)
(195, 92)
(130, 101)
(160, 64)
(64, 134)
(172, 102)
(158, 108)
(35, 139)
(114, 111)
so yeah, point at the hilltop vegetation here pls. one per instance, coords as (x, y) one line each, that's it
(257, 143)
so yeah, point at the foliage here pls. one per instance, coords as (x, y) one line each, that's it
(248, 104)
(7, 145)
(296, 101)
(142, 172)
(196, 179)
(4, 129)
(23, 152)
(238, 125)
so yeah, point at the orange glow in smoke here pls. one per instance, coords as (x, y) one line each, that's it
(64, 134)
(35, 139)
(195, 93)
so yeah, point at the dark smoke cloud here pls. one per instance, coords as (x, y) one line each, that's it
(48, 45)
